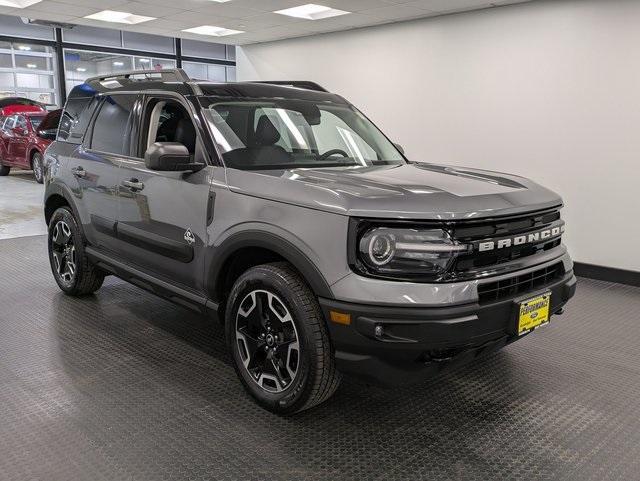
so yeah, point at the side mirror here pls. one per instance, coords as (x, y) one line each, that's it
(400, 148)
(47, 134)
(170, 157)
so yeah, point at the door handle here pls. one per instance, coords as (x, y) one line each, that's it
(79, 172)
(133, 184)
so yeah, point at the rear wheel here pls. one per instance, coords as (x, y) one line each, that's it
(278, 340)
(4, 170)
(71, 268)
(36, 165)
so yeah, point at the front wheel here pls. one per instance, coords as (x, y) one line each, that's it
(71, 268)
(279, 341)
(38, 169)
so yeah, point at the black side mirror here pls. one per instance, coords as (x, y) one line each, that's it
(170, 157)
(400, 148)
(47, 134)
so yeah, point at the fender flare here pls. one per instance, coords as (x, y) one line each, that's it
(273, 242)
(56, 189)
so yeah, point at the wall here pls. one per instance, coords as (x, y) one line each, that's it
(548, 89)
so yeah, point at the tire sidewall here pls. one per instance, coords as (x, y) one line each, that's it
(292, 398)
(37, 166)
(65, 214)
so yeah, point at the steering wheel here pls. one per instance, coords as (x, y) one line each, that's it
(329, 153)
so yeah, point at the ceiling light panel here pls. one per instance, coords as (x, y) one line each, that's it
(119, 17)
(18, 3)
(312, 11)
(213, 31)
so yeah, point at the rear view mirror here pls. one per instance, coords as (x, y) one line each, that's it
(400, 148)
(170, 157)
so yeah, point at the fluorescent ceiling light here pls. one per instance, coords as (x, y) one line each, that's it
(220, 1)
(31, 65)
(18, 3)
(24, 47)
(144, 60)
(118, 64)
(119, 17)
(81, 69)
(213, 31)
(311, 11)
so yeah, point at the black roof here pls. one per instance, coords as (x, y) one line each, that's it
(176, 80)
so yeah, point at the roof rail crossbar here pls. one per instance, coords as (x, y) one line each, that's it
(301, 84)
(172, 74)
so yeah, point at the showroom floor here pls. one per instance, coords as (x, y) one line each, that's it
(123, 385)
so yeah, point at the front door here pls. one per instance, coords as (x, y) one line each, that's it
(18, 141)
(162, 216)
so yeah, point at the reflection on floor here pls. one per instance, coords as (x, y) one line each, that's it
(123, 385)
(21, 211)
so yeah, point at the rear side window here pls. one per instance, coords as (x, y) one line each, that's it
(75, 119)
(112, 127)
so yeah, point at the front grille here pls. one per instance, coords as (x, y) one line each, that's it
(523, 283)
(467, 264)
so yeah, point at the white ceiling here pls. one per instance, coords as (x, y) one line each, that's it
(255, 17)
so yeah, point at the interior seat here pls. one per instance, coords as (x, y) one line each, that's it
(185, 133)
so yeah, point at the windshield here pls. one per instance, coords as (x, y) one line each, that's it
(35, 121)
(286, 134)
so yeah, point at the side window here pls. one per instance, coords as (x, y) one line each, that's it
(112, 127)
(75, 119)
(169, 121)
(21, 122)
(11, 121)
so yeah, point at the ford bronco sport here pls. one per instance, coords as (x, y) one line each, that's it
(284, 211)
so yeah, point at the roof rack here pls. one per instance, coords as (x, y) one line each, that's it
(170, 74)
(301, 84)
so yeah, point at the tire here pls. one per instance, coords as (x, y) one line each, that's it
(273, 300)
(71, 268)
(4, 170)
(38, 167)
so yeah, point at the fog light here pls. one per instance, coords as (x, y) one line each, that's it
(379, 331)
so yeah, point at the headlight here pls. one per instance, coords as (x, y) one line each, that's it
(406, 252)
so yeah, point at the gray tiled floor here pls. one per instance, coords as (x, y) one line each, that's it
(123, 385)
(21, 205)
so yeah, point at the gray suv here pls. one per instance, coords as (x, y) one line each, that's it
(280, 209)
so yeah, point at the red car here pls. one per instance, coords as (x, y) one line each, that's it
(25, 133)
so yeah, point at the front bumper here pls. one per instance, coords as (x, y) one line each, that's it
(419, 342)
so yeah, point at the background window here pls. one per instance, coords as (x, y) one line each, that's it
(205, 71)
(195, 48)
(111, 130)
(28, 70)
(148, 42)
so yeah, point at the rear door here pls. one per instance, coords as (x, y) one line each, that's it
(19, 141)
(162, 216)
(5, 134)
(97, 164)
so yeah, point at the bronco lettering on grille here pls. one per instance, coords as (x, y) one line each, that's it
(519, 240)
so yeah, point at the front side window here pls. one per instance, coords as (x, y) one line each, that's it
(35, 121)
(21, 123)
(112, 127)
(287, 133)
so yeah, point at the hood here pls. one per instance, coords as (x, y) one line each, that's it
(410, 191)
